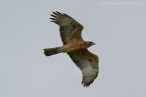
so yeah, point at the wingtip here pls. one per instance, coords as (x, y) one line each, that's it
(53, 15)
(53, 12)
(53, 18)
(85, 85)
(58, 12)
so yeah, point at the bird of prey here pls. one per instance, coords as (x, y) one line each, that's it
(75, 47)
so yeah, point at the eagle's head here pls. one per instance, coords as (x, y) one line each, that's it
(89, 43)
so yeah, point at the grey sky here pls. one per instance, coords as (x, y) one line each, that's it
(117, 29)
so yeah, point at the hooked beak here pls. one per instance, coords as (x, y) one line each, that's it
(93, 43)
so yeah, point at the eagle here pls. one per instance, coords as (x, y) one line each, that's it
(75, 47)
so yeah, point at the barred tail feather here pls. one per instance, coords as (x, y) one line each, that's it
(51, 51)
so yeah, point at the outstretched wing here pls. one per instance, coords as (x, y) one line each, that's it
(88, 64)
(70, 29)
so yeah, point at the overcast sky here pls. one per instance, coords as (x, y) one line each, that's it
(118, 27)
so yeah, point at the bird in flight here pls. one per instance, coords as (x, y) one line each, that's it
(75, 47)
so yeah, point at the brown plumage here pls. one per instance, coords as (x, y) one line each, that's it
(75, 47)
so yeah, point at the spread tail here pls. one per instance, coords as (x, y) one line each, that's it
(51, 51)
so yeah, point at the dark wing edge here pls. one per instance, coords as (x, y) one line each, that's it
(57, 17)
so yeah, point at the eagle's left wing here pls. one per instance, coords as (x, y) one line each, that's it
(88, 64)
(70, 29)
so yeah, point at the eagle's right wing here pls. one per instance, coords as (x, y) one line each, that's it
(70, 29)
(88, 64)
